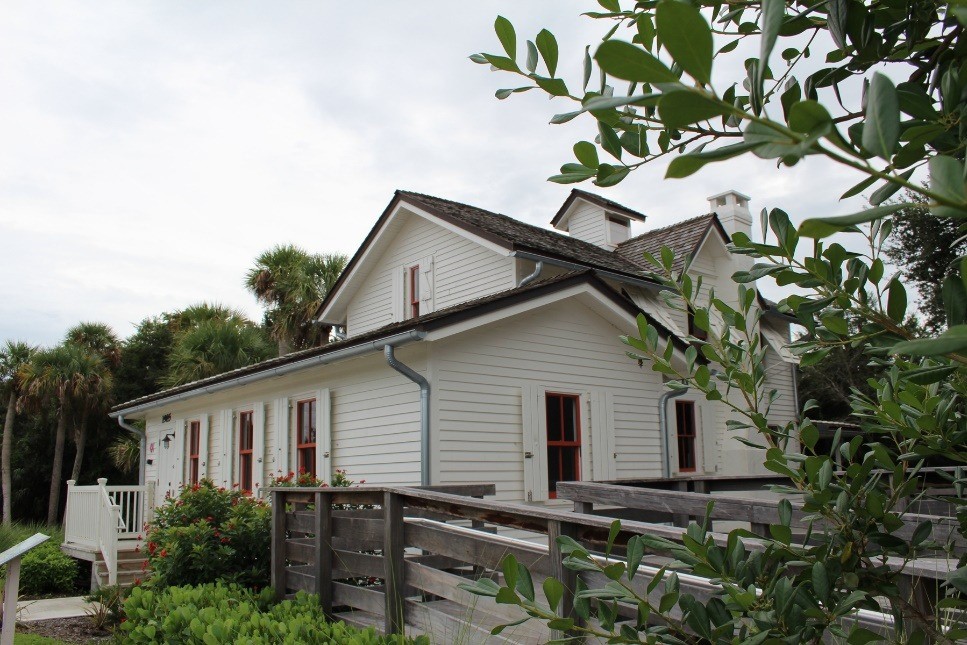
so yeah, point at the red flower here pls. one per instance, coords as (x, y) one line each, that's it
(164, 553)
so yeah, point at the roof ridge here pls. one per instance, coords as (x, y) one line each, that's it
(641, 236)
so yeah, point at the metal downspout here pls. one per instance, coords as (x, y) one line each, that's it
(666, 455)
(417, 378)
(143, 455)
(533, 276)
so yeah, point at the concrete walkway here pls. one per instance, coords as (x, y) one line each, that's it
(49, 608)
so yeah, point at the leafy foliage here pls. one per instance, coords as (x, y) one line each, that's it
(209, 534)
(46, 570)
(674, 104)
(219, 613)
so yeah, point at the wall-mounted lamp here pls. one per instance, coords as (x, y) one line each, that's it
(166, 442)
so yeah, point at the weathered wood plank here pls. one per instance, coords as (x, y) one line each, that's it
(323, 553)
(483, 549)
(449, 622)
(393, 551)
(349, 564)
(277, 542)
(567, 577)
(344, 595)
(443, 584)
(301, 578)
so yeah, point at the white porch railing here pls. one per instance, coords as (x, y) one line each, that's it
(101, 517)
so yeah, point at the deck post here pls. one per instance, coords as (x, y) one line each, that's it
(277, 575)
(393, 563)
(10, 590)
(567, 577)
(323, 551)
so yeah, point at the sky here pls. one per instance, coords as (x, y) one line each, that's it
(149, 151)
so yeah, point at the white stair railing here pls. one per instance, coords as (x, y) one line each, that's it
(11, 588)
(110, 526)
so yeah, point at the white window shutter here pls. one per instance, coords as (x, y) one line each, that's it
(178, 463)
(227, 456)
(282, 435)
(397, 296)
(603, 467)
(323, 436)
(533, 445)
(426, 285)
(258, 447)
(203, 446)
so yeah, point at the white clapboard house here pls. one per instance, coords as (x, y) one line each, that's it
(477, 349)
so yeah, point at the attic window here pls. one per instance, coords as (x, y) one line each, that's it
(619, 229)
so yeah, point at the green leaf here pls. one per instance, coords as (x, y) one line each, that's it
(681, 108)
(820, 579)
(587, 154)
(547, 46)
(531, 63)
(631, 63)
(608, 102)
(947, 178)
(687, 37)
(958, 580)
(773, 13)
(896, 302)
(553, 86)
(553, 591)
(954, 300)
(685, 165)
(502, 62)
(609, 140)
(506, 35)
(820, 227)
(809, 116)
(609, 175)
(951, 341)
(881, 130)
(888, 189)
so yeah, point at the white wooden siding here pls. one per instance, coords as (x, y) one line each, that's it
(462, 271)
(589, 223)
(478, 381)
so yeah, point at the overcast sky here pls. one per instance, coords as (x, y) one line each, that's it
(150, 150)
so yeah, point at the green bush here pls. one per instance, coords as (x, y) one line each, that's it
(217, 613)
(46, 570)
(209, 534)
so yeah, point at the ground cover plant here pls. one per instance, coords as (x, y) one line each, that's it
(653, 95)
(219, 613)
(208, 534)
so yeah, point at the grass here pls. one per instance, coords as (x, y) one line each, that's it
(34, 639)
(17, 532)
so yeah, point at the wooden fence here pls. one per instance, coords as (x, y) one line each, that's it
(392, 558)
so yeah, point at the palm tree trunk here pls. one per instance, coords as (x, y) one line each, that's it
(53, 505)
(5, 458)
(80, 442)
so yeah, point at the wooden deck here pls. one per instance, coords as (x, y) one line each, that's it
(394, 557)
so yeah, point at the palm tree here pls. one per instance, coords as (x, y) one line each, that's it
(61, 375)
(125, 453)
(100, 340)
(213, 347)
(13, 357)
(292, 283)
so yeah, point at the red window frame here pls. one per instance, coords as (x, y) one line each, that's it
(685, 432)
(414, 291)
(246, 440)
(558, 444)
(306, 436)
(194, 445)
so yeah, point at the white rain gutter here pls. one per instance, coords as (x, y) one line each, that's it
(322, 359)
(574, 266)
(410, 373)
(666, 441)
(142, 454)
(533, 276)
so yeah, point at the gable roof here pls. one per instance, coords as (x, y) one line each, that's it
(598, 200)
(684, 238)
(425, 323)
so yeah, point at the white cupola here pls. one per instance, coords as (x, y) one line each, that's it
(599, 221)
(732, 208)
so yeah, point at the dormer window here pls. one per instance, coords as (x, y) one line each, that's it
(619, 229)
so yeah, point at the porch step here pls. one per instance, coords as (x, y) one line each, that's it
(131, 567)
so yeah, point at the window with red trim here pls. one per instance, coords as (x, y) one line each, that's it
(685, 420)
(194, 445)
(414, 291)
(246, 436)
(306, 436)
(563, 440)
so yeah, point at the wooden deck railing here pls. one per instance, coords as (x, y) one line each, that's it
(398, 543)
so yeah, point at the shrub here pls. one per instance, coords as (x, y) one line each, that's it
(218, 613)
(46, 570)
(108, 606)
(308, 480)
(208, 534)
